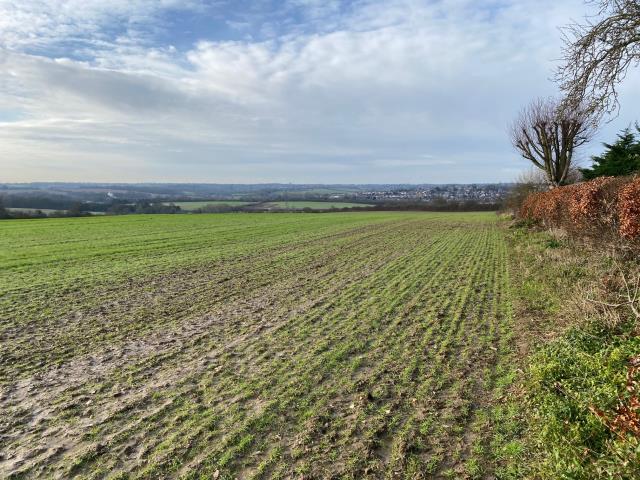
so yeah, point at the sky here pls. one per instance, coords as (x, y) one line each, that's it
(302, 91)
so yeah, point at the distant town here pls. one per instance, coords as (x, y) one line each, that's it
(481, 193)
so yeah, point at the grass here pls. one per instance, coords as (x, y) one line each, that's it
(350, 345)
(575, 358)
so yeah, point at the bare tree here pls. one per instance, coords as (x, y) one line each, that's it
(535, 178)
(598, 53)
(547, 133)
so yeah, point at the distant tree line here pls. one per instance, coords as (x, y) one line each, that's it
(34, 207)
(143, 207)
(46, 202)
(76, 210)
(437, 205)
(81, 209)
(4, 213)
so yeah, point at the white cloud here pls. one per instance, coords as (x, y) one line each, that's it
(381, 80)
(46, 23)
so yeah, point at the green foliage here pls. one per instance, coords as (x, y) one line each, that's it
(581, 371)
(620, 158)
(584, 369)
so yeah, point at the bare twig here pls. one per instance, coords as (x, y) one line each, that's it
(598, 53)
(605, 304)
(630, 297)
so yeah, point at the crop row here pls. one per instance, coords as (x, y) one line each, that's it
(369, 351)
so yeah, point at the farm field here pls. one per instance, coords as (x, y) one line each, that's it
(299, 205)
(345, 345)
(188, 206)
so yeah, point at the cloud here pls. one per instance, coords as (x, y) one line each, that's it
(35, 24)
(342, 92)
(411, 162)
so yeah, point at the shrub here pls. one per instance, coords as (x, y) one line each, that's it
(577, 386)
(629, 209)
(620, 158)
(606, 208)
(593, 208)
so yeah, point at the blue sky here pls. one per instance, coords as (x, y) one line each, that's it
(335, 91)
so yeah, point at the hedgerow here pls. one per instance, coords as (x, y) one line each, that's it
(629, 209)
(606, 208)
